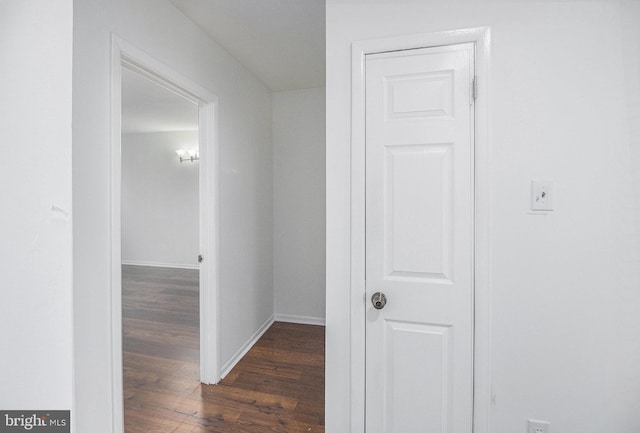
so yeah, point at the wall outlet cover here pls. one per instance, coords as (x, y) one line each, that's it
(536, 426)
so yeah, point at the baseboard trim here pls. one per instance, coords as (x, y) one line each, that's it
(303, 320)
(228, 366)
(159, 265)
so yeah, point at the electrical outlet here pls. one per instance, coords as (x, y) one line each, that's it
(535, 426)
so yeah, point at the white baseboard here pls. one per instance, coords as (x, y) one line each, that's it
(228, 366)
(160, 265)
(303, 320)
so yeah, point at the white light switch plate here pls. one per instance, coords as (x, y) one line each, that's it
(541, 195)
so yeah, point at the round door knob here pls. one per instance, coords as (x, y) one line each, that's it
(379, 300)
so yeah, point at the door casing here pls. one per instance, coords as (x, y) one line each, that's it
(124, 54)
(482, 282)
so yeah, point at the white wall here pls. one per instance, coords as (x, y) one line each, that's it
(631, 59)
(299, 205)
(565, 298)
(35, 226)
(246, 278)
(159, 200)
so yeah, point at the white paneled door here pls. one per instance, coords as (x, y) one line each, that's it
(419, 240)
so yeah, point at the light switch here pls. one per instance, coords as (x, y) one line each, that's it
(541, 195)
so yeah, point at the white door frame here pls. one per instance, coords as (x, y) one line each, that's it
(482, 389)
(124, 54)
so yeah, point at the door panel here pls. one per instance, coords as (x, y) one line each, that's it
(417, 347)
(419, 240)
(417, 220)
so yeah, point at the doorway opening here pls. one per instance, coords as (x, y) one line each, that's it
(160, 246)
(193, 265)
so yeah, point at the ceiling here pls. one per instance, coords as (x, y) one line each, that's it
(282, 42)
(148, 107)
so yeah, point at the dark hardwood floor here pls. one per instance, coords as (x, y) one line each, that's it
(277, 387)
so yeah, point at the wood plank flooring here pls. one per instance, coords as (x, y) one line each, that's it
(277, 387)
